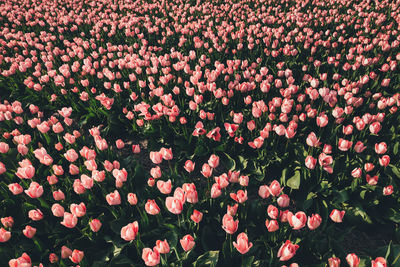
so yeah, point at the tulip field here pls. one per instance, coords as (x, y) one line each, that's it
(200, 133)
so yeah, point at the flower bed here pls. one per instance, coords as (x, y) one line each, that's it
(205, 133)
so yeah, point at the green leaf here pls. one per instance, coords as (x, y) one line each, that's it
(396, 255)
(259, 176)
(341, 197)
(394, 170)
(396, 148)
(201, 150)
(294, 181)
(243, 162)
(210, 258)
(172, 238)
(388, 250)
(121, 260)
(228, 162)
(363, 262)
(247, 261)
(362, 194)
(220, 148)
(283, 176)
(393, 215)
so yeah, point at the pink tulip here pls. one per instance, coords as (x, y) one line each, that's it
(129, 232)
(314, 221)
(57, 210)
(113, 198)
(322, 120)
(273, 212)
(272, 225)
(135, 149)
(206, 170)
(298, 220)
(287, 251)
(4, 235)
(162, 247)
(150, 257)
(283, 201)
(166, 153)
(4, 147)
(242, 243)
(2, 168)
(151, 207)
(156, 157)
(29, 231)
(189, 166)
(155, 172)
(95, 225)
(119, 143)
(334, 262)
(337, 216)
(378, 262)
(359, 147)
(310, 162)
(312, 140)
(375, 127)
(71, 155)
(26, 171)
(187, 242)
(65, 252)
(380, 148)
(78, 210)
(388, 190)
(35, 190)
(197, 216)
(275, 188)
(213, 161)
(22, 261)
(356, 173)
(35, 215)
(53, 258)
(384, 161)
(229, 225)
(174, 205)
(132, 199)
(164, 187)
(76, 256)
(190, 193)
(344, 145)
(353, 260)
(240, 196)
(263, 191)
(8, 222)
(70, 220)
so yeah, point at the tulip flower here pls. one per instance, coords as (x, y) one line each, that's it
(242, 243)
(187, 242)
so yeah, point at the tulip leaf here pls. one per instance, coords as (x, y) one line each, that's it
(228, 162)
(396, 148)
(172, 238)
(393, 215)
(243, 162)
(283, 176)
(121, 260)
(248, 261)
(210, 258)
(201, 150)
(341, 197)
(394, 170)
(294, 181)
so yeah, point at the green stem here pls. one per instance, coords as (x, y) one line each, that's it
(177, 255)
